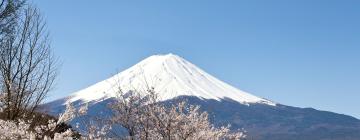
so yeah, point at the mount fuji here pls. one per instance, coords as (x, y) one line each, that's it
(174, 78)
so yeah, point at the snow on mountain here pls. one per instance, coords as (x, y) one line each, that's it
(171, 76)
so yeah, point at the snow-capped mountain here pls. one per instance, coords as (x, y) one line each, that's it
(171, 76)
(174, 78)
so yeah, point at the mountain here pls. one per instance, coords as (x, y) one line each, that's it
(175, 78)
(171, 76)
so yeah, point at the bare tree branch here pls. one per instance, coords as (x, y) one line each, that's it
(27, 65)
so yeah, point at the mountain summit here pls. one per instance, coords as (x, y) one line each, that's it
(171, 76)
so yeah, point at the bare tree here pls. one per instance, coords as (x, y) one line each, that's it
(27, 65)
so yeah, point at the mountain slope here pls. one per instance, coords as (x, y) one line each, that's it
(175, 78)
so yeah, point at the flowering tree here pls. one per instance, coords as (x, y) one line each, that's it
(144, 117)
(21, 129)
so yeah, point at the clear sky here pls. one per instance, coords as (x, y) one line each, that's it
(302, 53)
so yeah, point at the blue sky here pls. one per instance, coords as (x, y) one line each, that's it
(299, 53)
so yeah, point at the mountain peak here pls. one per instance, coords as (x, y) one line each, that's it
(171, 76)
(171, 55)
(161, 58)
